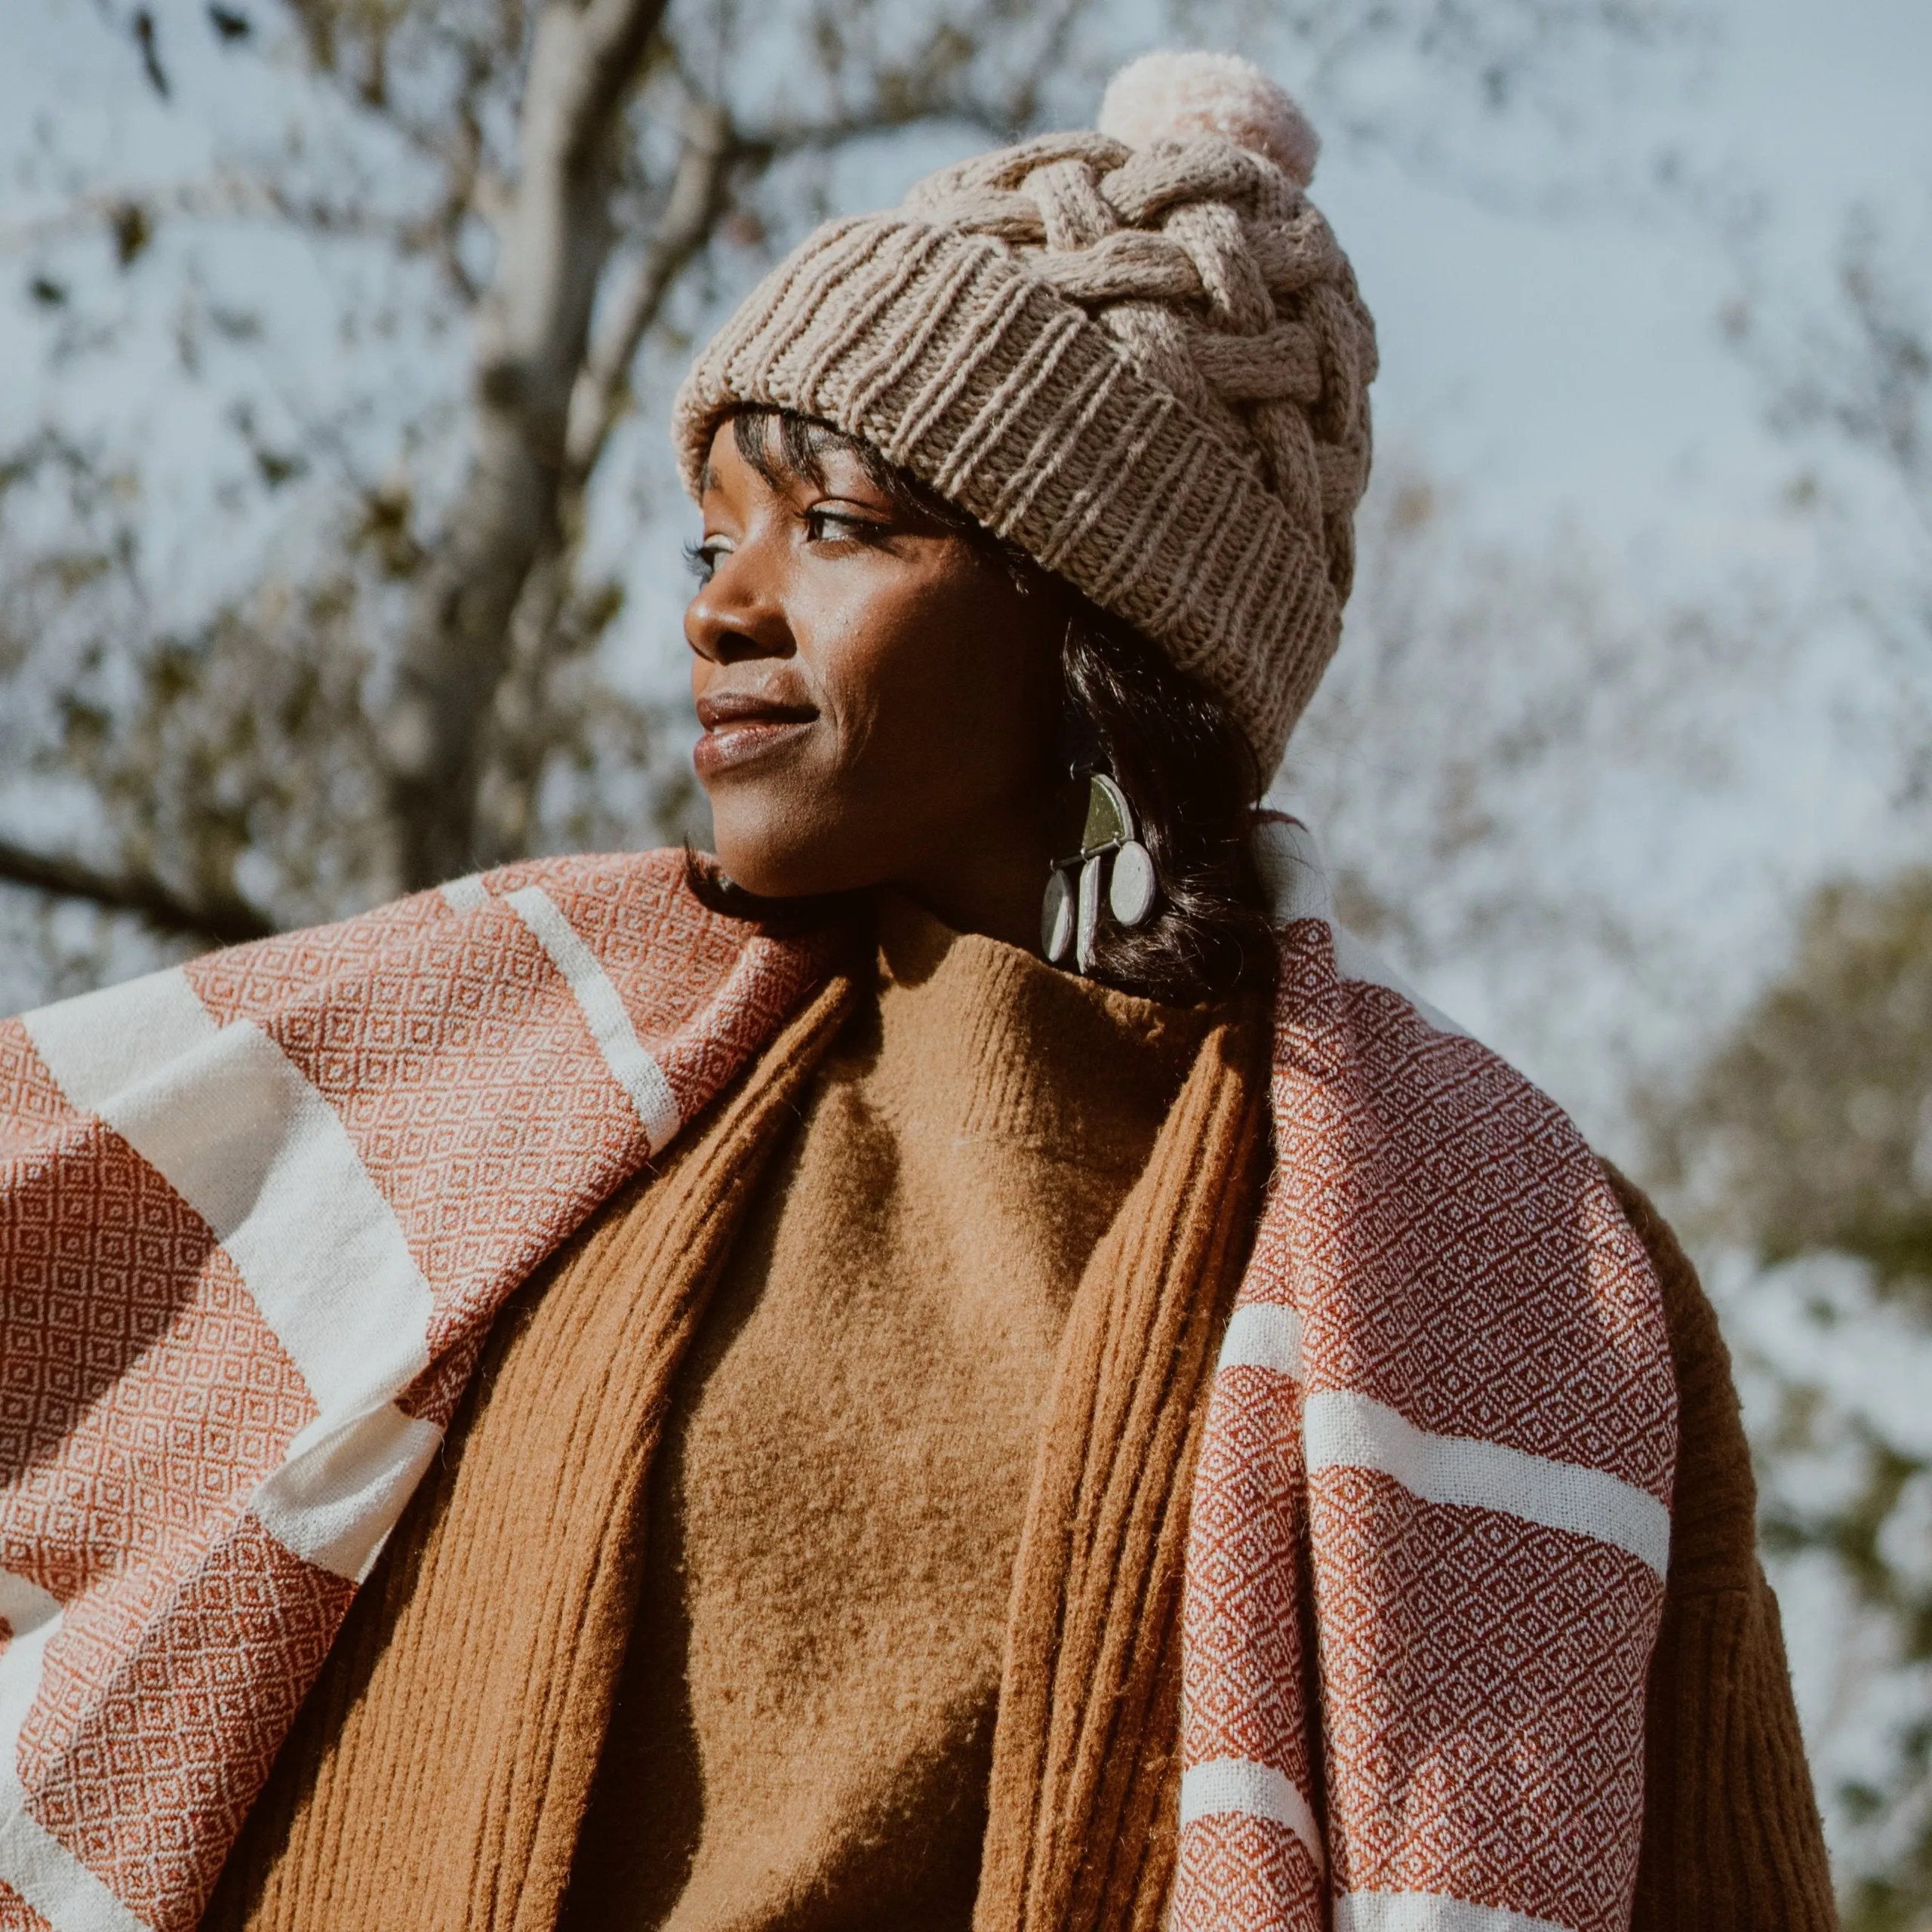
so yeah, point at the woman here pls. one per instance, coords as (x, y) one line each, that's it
(975, 1362)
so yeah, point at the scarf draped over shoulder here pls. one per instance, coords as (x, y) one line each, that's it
(257, 1213)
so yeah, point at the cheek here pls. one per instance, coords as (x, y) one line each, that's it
(936, 692)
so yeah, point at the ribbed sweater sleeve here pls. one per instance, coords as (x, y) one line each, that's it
(1732, 1840)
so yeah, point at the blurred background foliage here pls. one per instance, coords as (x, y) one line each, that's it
(338, 555)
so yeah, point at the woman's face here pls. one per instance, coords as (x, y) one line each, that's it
(878, 699)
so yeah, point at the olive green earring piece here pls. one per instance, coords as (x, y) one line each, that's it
(1098, 812)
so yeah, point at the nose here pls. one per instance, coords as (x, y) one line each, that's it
(735, 616)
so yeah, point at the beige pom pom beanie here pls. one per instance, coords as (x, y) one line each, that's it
(1138, 353)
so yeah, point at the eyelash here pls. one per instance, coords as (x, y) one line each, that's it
(699, 561)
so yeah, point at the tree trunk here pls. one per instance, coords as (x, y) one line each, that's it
(514, 739)
(532, 336)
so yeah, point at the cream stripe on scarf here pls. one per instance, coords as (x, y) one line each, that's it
(1295, 877)
(1252, 1791)
(33, 1617)
(32, 1862)
(55, 1882)
(633, 1069)
(1429, 1911)
(337, 1494)
(1343, 1430)
(1263, 1335)
(232, 1125)
(24, 1605)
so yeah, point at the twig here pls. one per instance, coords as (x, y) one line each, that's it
(697, 198)
(216, 199)
(781, 140)
(228, 924)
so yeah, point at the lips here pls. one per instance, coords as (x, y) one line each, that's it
(742, 726)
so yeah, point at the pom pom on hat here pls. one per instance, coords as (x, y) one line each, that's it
(1170, 96)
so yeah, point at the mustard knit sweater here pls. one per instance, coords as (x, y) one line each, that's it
(802, 1736)
(737, 1622)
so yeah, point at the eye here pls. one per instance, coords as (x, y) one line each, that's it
(826, 525)
(701, 559)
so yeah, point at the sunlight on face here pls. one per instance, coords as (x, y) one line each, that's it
(878, 700)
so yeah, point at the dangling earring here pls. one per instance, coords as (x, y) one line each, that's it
(1070, 914)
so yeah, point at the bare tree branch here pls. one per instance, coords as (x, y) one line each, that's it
(697, 200)
(222, 197)
(227, 924)
(232, 198)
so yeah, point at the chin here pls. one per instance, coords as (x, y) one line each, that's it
(774, 862)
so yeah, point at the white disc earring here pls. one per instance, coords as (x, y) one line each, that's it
(1089, 913)
(1131, 895)
(1056, 918)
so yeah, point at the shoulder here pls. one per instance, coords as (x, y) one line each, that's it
(1714, 1538)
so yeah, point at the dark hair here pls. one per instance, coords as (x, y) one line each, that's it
(1171, 744)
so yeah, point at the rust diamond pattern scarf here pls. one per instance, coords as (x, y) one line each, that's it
(1431, 1519)
(257, 1213)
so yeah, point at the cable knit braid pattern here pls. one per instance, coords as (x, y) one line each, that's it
(1139, 354)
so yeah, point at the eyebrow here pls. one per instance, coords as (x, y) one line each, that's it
(803, 444)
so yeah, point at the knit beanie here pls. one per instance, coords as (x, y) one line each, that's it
(1138, 353)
